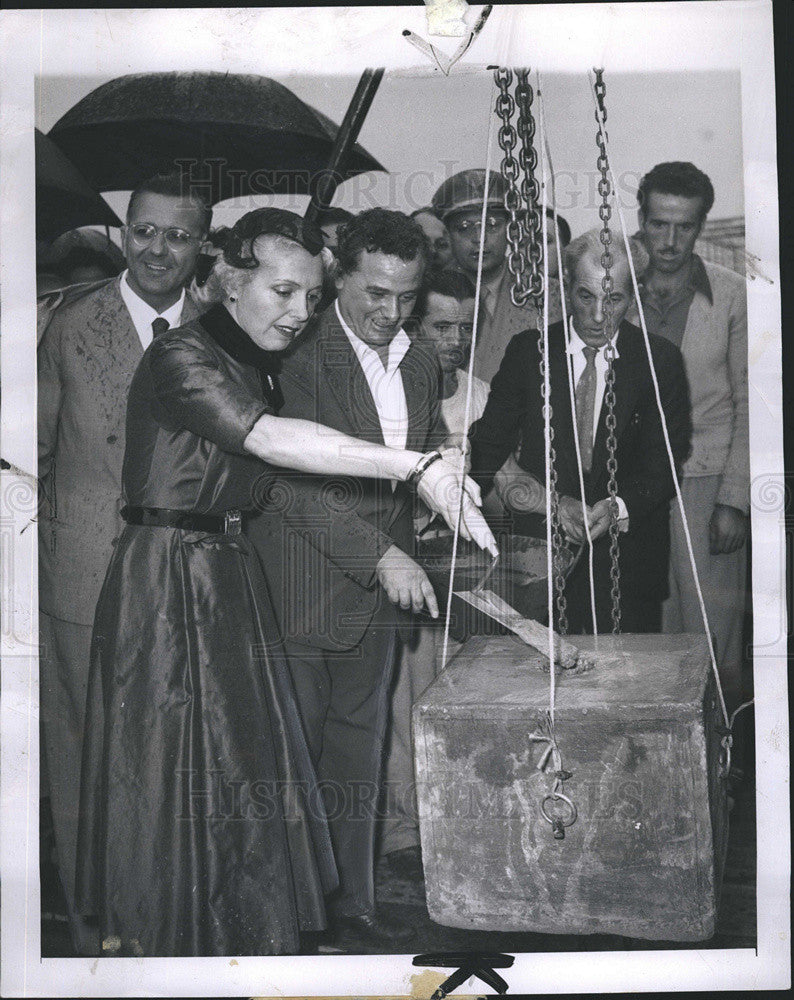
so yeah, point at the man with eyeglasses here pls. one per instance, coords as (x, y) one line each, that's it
(458, 203)
(87, 356)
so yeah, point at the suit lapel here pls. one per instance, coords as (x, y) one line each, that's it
(344, 376)
(565, 451)
(121, 338)
(421, 385)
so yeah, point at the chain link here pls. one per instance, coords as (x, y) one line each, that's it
(530, 189)
(516, 259)
(605, 213)
(525, 239)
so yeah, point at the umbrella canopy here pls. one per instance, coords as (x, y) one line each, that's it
(239, 134)
(81, 239)
(64, 198)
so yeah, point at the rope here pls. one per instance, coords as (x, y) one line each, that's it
(569, 360)
(741, 708)
(467, 409)
(547, 428)
(657, 393)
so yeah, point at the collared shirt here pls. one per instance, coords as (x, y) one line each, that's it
(143, 314)
(578, 361)
(668, 317)
(386, 384)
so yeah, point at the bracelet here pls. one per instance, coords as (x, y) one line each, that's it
(422, 466)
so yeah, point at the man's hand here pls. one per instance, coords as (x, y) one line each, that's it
(518, 489)
(727, 529)
(572, 518)
(441, 487)
(598, 520)
(405, 582)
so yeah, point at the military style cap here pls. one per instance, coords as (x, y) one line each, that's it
(465, 190)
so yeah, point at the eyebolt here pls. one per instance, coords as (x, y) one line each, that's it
(558, 796)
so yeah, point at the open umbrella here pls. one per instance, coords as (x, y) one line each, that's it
(81, 239)
(237, 134)
(64, 198)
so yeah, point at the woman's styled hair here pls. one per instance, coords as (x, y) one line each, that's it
(246, 244)
(589, 243)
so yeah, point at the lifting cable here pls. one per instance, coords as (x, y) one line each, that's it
(569, 359)
(469, 386)
(726, 736)
(552, 754)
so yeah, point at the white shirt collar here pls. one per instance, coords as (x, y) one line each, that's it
(576, 344)
(398, 347)
(143, 314)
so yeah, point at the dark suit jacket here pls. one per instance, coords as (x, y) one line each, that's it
(86, 359)
(644, 479)
(320, 537)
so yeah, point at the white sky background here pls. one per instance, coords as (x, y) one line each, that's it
(691, 112)
(424, 129)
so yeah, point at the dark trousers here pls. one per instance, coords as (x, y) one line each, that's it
(640, 613)
(344, 700)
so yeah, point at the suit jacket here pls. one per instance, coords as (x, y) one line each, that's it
(495, 332)
(86, 359)
(320, 537)
(644, 479)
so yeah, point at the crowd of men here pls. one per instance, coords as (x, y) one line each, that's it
(393, 341)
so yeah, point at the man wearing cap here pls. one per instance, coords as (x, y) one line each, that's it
(458, 203)
(87, 356)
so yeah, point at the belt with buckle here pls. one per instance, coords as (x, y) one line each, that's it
(228, 523)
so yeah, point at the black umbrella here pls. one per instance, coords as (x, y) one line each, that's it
(239, 134)
(64, 198)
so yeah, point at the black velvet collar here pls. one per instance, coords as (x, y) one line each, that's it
(229, 335)
(231, 338)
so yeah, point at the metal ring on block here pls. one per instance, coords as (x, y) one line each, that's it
(563, 798)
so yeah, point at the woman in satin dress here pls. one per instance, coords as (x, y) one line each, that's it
(201, 828)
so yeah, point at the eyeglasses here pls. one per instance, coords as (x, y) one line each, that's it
(143, 233)
(465, 226)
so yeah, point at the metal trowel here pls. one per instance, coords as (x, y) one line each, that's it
(532, 632)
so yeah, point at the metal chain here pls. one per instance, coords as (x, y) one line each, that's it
(605, 213)
(530, 189)
(526, 242)
(516, 259)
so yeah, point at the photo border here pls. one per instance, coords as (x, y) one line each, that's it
(709, 35)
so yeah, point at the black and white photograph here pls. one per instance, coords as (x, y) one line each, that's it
(393, 501)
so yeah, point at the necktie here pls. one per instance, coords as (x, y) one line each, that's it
(159, 325)
(585, 407)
